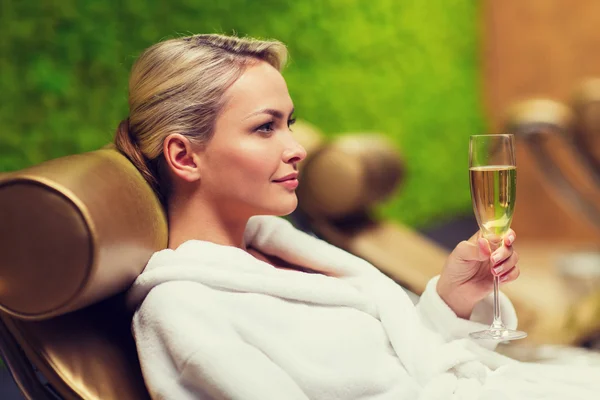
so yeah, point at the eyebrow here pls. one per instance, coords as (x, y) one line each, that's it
(270, 111)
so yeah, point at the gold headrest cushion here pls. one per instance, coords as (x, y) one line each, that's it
(351, 174)
(73, 231)
(538, 115)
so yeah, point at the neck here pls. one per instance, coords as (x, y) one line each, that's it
(200, 220)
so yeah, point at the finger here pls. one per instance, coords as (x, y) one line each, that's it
(468, 251)
(511, 275)
(510, 238)
(501, 254)
(507, 265)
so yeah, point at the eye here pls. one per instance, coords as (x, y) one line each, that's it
(265, 128)
(291, 122)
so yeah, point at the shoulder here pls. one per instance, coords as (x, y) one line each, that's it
(175, 300)
(176, 292)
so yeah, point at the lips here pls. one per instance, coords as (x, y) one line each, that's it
(289, 184)
(290, 177)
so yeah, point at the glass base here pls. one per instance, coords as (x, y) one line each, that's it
(502, 334)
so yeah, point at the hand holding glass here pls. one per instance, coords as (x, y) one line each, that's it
(493, 175)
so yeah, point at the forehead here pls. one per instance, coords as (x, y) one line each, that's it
(260, 86)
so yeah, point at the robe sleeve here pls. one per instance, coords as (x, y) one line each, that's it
(437, 316)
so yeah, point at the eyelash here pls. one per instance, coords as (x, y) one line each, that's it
(268, 127)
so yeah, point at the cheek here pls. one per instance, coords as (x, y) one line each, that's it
(247, 164)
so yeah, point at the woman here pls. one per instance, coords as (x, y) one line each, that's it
(242, 305)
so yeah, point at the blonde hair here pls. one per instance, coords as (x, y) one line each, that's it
(177, 86)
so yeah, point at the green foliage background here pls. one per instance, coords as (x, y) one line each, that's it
(408, 69)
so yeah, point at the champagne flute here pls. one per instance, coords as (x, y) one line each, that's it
(493, 176)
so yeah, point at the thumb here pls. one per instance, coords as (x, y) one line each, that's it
(478, 251)
(485, 249)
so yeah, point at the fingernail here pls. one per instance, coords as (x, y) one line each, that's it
(511, 239)
(498, 269)
(504, 278)
(495, 258)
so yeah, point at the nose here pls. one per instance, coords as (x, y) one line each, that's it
(294, 153)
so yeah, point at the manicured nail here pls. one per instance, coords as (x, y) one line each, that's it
(495, 258)
(504, 278)
(511, 239)
(498, 269)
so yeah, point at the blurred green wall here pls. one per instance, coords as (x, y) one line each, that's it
(408, 69)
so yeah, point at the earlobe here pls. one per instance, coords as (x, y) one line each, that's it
(181, 158)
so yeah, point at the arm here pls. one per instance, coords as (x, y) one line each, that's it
(188, 350)
(439, 317)
(460, 300)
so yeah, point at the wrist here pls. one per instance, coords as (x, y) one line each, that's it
(458, 302)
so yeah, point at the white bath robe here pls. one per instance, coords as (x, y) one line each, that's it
(214, 322)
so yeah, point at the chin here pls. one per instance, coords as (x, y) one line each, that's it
(283, 207)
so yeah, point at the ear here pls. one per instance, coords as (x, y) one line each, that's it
(181, 158)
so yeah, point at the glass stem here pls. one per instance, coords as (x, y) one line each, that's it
(497, 324)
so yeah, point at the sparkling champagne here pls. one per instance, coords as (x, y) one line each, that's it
(493, 175)
(493, 190)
